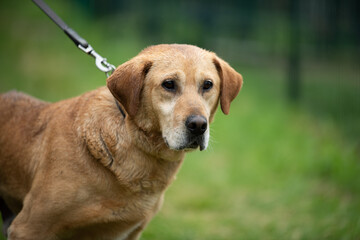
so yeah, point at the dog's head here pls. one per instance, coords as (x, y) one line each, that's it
(175, 89)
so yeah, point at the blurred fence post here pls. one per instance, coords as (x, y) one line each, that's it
(294, 74)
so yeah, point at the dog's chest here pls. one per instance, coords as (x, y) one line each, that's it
(137, 207)
(116, 218)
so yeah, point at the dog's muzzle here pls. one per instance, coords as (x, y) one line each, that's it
(196, 126)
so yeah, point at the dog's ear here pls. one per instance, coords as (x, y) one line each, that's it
(126, 83)
(231, 82)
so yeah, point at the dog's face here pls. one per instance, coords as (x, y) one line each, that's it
(175, 89)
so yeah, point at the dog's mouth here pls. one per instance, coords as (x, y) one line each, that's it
(195, 143)
(192, 144)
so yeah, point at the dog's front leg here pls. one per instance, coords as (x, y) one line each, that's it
(30, 223)
(27, 232)
(20, 230)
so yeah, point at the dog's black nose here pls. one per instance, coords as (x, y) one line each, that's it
(196, 124)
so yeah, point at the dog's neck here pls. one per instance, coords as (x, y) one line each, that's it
(131, 153)
(148, 140)
(152, 143)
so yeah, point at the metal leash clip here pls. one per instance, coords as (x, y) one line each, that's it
(81, 43)
(100, 62)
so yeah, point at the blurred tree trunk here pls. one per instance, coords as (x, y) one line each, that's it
(294, 52)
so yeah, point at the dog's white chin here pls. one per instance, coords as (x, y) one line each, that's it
(179, 142)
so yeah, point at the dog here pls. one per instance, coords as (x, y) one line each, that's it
(96, 166)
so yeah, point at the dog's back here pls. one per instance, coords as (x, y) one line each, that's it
(16, 104)
(15, 107)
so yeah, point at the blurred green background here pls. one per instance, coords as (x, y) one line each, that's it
(285, 164)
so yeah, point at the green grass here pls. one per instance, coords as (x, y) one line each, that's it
(273, 170)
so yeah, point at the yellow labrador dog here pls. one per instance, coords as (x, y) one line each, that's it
(97, 166)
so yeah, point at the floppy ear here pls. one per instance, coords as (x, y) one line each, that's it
(231, 82)
(126, 83)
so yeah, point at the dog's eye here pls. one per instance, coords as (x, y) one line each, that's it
(207, 85)
(169, 85)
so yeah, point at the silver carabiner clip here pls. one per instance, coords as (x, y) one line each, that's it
(100, 62)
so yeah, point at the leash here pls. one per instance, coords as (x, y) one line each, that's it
(80, 42)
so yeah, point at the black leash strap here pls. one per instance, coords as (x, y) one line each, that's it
(81, 43)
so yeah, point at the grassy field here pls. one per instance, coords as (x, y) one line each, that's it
(273, 170)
